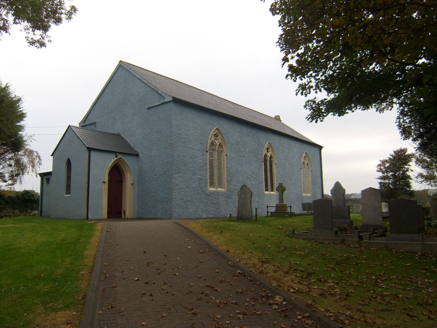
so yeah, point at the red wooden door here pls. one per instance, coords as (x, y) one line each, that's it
(115, 193)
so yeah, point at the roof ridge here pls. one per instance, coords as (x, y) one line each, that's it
(191, 86)
(79, 127)
(85, 134)
(178, 90)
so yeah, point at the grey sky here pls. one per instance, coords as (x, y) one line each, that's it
(225, 47)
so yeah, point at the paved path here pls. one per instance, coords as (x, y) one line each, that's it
(155, 273)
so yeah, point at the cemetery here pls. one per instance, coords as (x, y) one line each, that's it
(332, 224)
(370, 266)
(356, 286)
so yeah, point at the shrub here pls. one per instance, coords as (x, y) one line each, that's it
(22, 201)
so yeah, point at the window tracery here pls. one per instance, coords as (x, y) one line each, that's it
(216, 161)
(68, 178)
(306, 174)
(269, 163)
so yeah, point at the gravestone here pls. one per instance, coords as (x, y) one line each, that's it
(322, 214)
(433, 206)
(384, 207)
(404, 220)
(421, 218)
(322, 219)
(341, 213)
(281, 209)
(338, 194)
(372, 211)
(357, 208)
(244, 211)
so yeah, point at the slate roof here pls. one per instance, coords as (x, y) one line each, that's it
(100, 140)
(187, 93)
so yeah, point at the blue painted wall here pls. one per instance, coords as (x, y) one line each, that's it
(74, 206)
(100, 161)
(245, 145)
(122, 108)
(172, 166)
(69, 206)
(46, 193)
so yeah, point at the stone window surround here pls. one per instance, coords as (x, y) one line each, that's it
(216, 137)
(68, 177)
(306, 175)
(270, 153)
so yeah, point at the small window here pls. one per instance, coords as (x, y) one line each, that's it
(47, 180)
(269, 162)
(306, 175)
(216, 161)
(68, 180)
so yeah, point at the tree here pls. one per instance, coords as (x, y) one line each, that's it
(422, 197)
(16, 158)
(395, 178)
(429, 170)
(36, 18)
(379, 54)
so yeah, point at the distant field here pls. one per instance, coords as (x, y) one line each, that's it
(358, 287)
(45, 267)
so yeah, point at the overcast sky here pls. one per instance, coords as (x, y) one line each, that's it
(225, 47)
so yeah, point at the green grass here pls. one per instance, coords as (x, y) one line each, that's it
(358, 287)
(44, 271)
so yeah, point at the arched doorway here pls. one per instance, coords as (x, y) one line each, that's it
(115, 193)
(119, 182)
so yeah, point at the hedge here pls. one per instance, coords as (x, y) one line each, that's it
(22, 201)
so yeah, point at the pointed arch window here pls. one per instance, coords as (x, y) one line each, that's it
(216, 160)
(306, 174)
(269, 163)
(68, 178)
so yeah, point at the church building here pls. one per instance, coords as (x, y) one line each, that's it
(153, 147)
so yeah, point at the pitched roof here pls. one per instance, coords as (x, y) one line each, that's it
(187, 93)
(100, 140)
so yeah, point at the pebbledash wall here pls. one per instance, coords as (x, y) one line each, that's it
(171, 178)
(70, 206)
(80, 204)
(99, 163)
(245, 144)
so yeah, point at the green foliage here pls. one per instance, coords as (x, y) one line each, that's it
(11, 116)
(429, 169)
(22, 201)
(422, 197)
(16, 158)
(35, 17)
(395, 178)
(364, 55)
(41, 271)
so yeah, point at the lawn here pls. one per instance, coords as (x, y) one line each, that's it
(46, 265)
(358, 287)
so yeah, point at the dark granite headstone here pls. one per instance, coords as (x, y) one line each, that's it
(341, 213)
(404, 220)
(403, 216)
(421, 218)
(322, 214)
(244, 211)
(433, 206)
